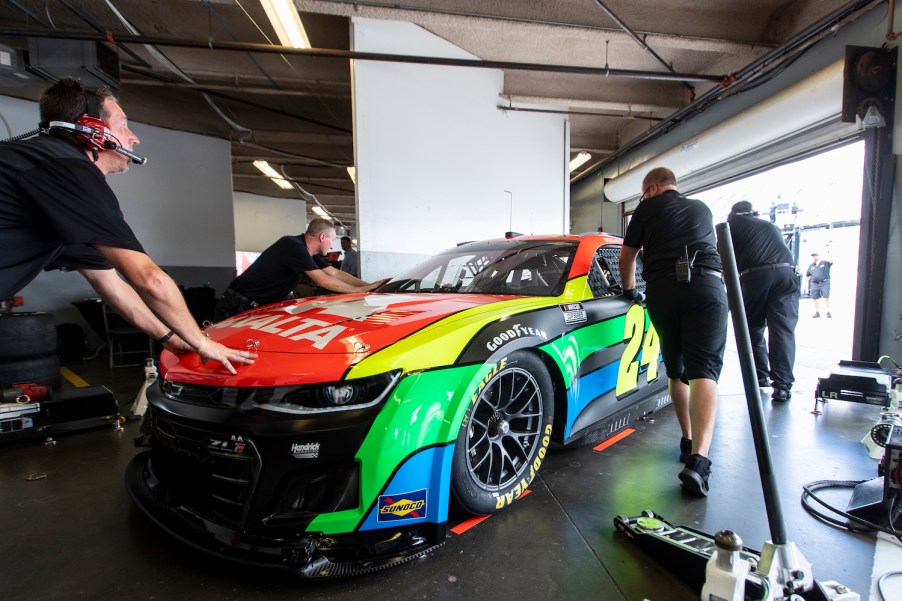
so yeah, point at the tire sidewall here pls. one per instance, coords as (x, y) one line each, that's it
(26, 335)
(468, 494)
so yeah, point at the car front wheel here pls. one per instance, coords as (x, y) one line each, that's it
(504, 436)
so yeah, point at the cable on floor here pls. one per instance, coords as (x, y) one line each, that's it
(865, 526)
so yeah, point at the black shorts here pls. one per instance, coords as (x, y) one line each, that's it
(691, 321)
(819, 289)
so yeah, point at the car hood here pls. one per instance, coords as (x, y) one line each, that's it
(320, 338)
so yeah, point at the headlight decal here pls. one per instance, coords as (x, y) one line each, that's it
(334, 396)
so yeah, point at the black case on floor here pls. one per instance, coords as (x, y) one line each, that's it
(66, 410)
(72, 409)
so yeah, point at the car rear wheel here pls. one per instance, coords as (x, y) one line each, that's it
(504, 436)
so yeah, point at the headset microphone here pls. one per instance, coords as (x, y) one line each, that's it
(93, 134)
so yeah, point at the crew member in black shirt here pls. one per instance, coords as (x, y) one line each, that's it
(277, 271)
(688, 308)
(770, 293)
(58, 212)
(817, 282)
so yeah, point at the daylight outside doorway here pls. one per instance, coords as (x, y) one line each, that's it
(818, 207)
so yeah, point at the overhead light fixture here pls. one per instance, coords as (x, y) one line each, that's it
(271, 173)
(287, 23)
(352, 173)
(321, 212)
(579, 160)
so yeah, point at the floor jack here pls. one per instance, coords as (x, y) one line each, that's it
(720, 567)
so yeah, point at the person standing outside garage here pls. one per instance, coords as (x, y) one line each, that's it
(349, 263)
(277, 271)
(770, 294)
(687, 304)
(817, 282)
(58, 212)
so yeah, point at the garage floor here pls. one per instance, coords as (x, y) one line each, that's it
(76, 535)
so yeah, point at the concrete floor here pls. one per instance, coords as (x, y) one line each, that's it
(76, 535)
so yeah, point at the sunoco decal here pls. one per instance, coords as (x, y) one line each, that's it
(403, 506)
(309, 450)
(573, 313)
(514, 332)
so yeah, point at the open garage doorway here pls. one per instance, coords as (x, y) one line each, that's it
(816, 202)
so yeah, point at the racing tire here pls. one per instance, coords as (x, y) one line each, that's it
(26, 335)
(43, 371)
(504, 436)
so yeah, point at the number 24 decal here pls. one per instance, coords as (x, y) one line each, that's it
(637, 338)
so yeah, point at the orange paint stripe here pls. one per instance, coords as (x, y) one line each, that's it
(615, 438)
(467, 524)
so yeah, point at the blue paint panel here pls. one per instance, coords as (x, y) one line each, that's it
(422, 476)
(591, 386)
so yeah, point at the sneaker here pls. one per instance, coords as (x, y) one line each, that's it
(685, 449)
(695, 475)
(764, 382)
(816, 315)
(781, 395)
(829, 316)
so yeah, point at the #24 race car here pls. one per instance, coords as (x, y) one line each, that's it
(365, 416)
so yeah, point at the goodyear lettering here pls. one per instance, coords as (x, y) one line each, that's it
(518, 491)
(516, 331)
(491, 374)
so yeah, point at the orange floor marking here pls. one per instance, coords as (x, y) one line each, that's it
(467, 524)
(615, 438)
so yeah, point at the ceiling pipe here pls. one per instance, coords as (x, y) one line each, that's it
(752, 68)
(642, 43)
(366, 56)
(589, 113)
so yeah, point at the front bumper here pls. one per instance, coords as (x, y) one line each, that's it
(308, 555)
(247, 489)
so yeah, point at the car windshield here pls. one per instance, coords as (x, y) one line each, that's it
(522, 267)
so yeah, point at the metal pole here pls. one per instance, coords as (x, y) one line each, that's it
(750, 380)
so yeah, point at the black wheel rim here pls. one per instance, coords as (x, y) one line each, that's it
(505, 426)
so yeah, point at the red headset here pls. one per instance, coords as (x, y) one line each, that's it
(92, 133)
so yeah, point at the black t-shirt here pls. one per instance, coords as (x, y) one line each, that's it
(757, 242)
(277, 271)
(819, 272)
(663, 225)
(52, 196)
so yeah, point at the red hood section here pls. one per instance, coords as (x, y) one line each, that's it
(331, 332)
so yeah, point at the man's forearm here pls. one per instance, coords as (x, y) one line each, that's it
(125, 301)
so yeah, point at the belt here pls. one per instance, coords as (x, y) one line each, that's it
(241, 298)
(763, 267)
(704, 271)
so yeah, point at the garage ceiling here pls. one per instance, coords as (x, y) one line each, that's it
(618, 67)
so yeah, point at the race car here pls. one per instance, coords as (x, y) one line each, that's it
(366, 416)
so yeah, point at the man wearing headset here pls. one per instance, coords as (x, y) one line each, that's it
(57, 212)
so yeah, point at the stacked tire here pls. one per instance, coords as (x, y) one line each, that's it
(28, 350)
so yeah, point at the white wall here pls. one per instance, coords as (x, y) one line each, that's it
(179, 205)
(261, 220)
(434, 154)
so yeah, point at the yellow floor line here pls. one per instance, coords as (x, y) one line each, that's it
(73, 378)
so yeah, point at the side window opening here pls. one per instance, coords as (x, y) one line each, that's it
(604, 275)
